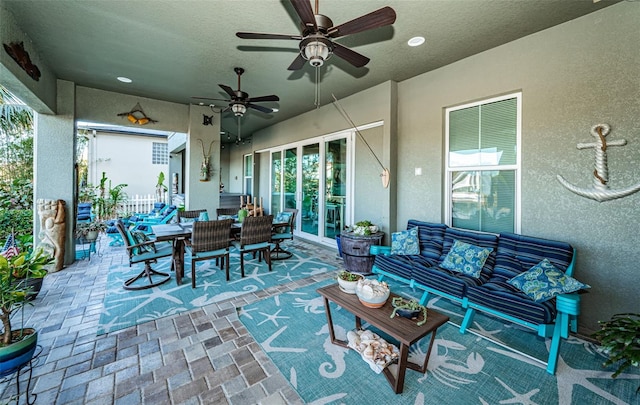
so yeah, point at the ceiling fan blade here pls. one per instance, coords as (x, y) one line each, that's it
(228, 89)
(305, 12)
(375, 19)
(297, 63)
(349, 55)
(258, 35)
(272, 97)
(260, 108)
(209, 98)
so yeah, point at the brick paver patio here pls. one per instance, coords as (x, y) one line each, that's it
(204, 356)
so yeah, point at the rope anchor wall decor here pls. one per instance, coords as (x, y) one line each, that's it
(137, 116)
(600, 190)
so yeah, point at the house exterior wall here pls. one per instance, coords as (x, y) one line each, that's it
(572, 76)
(125, 159)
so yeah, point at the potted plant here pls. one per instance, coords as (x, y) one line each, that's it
(90, 230)
(620, 340)
(17, 344)
(347, 281)
(409, 308)
(27, 269)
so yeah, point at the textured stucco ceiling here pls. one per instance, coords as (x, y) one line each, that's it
(174, 50)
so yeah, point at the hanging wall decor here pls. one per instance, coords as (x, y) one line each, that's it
(22, 58)
(207, 119)
(204, 167)
(137, 116)
(600, 190)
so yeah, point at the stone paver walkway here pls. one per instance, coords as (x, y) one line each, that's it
(205, 356)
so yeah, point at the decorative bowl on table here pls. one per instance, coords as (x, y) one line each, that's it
(372, 293)
(347, 281)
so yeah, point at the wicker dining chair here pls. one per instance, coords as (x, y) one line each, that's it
(255, 237)
(210, 240)
(226, 211)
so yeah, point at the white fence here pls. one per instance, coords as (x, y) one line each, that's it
(139, 204)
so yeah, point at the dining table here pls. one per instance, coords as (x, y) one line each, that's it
(179, 234)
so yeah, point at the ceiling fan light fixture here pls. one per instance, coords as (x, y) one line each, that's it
(316, 52)
(238, 109)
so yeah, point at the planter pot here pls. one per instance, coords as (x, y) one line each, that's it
(348, 287)
(34, 283)
(18, 354)
(91, 236)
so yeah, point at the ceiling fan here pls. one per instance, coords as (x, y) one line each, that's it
(239, 100)
(318, 32)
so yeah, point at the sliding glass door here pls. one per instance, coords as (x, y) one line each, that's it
(313, 177)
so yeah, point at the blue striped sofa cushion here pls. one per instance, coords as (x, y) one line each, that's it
(451, 282)
(431, 237)
(401, 265)
(516, 254)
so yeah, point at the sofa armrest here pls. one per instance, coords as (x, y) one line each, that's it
(380, 250)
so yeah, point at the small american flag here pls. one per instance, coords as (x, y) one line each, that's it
(10, 248)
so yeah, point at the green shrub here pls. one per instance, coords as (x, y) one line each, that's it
(20, 220)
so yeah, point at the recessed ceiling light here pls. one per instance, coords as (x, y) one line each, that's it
(275, 109)
(416, 41)
(124, 79)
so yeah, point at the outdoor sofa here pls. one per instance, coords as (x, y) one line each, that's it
(510, 264)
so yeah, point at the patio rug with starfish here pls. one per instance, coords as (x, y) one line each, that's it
(463, 369)
(124, 308)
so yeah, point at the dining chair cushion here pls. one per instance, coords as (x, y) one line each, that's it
(253, 246)
(210, 253)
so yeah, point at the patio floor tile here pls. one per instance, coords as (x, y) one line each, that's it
(202, 356)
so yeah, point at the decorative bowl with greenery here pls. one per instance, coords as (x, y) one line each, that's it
(620, 340)
(347, 281)
(408, 308)
(364, 228)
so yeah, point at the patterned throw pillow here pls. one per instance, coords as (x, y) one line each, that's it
(282, 217)
(141, 237)
(466, 258)
(544, 281)
(405, 242)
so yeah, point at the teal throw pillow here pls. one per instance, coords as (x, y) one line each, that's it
(204, 216)
(466, 258)
(405, 242)
(184, 220)
(544, 281)
(141, 237)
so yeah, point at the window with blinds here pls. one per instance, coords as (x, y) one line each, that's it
(483, 165)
